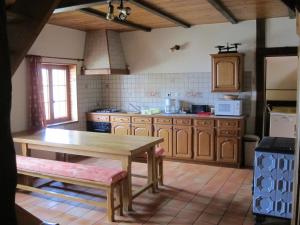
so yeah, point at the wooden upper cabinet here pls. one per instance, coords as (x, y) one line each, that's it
(204, 144)
(227, 72)
(120, 128)
(141, 130)
(182, 142)
(227, 149)
(165, 132)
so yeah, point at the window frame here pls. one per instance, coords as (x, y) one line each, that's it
(50, 67)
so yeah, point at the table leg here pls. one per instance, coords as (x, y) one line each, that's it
(127, 188)
(152, 173)
(25, 150)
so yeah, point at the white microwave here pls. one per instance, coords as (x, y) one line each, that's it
(229, 108)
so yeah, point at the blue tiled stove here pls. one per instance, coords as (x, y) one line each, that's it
(273, 177)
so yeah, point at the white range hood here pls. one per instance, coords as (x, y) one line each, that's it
(104, 53)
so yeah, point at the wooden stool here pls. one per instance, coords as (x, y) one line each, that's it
(159, 156)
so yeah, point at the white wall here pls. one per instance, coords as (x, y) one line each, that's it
(281, 32)
(150, 52)
(53, 41)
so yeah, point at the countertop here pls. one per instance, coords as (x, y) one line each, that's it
(171, 115)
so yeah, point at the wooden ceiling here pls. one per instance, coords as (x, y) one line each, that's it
(193, 12)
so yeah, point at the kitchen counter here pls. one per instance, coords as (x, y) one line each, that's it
(210, 139)
(171, 115)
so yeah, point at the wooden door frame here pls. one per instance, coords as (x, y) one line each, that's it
(261, 54)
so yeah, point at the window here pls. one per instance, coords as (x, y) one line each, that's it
(57, 91)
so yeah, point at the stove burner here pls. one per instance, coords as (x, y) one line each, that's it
(106, 110)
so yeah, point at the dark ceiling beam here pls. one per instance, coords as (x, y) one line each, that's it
(156, 11)
(72, 5)
(223, 10)
(102, 15)
(291, 4)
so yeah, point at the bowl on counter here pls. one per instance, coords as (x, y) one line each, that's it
(231, 97)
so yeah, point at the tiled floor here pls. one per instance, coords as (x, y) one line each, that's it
(193, 194)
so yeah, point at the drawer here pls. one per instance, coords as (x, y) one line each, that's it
(97, 118)
(203, 123)
(141, 120)
(182, 121)
(228, 123)
(162, 120)
(120, 119)
(228, 133)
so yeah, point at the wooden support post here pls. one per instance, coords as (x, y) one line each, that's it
(260, 82)
(8, 173)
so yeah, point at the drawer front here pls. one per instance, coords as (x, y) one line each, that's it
(163, 120)
(228, 133)
(97, 118)
(147, 120)
(204, 123)
(120, 119)
(228, 123)
(182, 121)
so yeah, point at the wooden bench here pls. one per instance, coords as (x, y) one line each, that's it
(97, 177)
(159, 156)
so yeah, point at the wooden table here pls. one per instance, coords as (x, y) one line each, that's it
(98, 145)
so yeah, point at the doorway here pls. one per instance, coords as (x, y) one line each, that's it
(270, 96)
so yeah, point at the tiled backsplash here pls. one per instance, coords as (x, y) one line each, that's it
(151, 90)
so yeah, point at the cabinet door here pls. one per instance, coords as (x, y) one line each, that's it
(227, 149)
(120, 128)
(204, 144)
(182, 142)
(141, 130)
(226, 74)
(165, 132)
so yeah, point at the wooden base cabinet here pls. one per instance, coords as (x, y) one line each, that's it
(227, 149)
(182, 142)
(204, 148)
(120, 128)
(141, 130)
(212, 140)
(166, 132)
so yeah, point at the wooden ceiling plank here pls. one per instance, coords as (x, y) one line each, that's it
(102, 15)
(223, 10)
(290, 4)
(72, 5)
(153, 9)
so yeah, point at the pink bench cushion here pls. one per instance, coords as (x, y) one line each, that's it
(71, 170)
(159, 151)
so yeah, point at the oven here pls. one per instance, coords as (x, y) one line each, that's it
(101, 127)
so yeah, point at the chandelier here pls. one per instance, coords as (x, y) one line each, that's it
(123, 11)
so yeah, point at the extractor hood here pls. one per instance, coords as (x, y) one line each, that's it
(104, 53)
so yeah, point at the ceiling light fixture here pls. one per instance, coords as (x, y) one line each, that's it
(110, 11)
(124, 11)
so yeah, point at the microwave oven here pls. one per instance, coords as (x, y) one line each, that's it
(228, 108)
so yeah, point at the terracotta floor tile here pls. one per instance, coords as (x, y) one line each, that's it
(209, 218)
(192, 194)
(185, 217)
